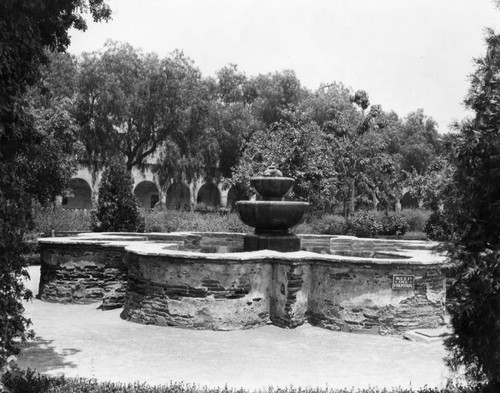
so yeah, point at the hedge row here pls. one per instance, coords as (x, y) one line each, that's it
(364, 223)
(163, 220)
(369, 224)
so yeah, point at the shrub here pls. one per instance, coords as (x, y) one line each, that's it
(155, 219)
(364, 224)
(473, 205)
(438, 227)
(393, 224)
(117, 209)
(304, 227)
(414, 236)
(163, 220)
(416, 219)
(60, 220)
(329, 224)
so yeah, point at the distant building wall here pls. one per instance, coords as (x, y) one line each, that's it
(198, 194)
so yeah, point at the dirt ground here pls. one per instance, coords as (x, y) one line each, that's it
(80, 340)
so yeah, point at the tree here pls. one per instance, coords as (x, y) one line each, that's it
(433, 186)
(416, 140)
(357, 152)
(236, 120)
(231, 84)
(117, 209)
(359, 167)
(192, 148)
(272, 94)
(475, 208)
(237, 126)
(298, 148)
(330, 106)
(360, 98)
(138, 106)
(50, 103)
(27, 29)
(124, 103)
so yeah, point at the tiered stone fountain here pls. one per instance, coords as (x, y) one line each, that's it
(272, 217)
(350, 284)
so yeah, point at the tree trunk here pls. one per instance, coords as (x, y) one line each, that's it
(374, 200)
(352, 204)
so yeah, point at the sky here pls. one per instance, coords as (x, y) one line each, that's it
(407, 54)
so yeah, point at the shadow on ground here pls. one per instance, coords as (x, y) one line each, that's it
(39, 348)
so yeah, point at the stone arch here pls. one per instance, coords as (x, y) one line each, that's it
(147, 193)
(409, 202)
(80, 195)
(178, 197)
(208, 197)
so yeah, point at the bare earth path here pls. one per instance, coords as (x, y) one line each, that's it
(79, 340)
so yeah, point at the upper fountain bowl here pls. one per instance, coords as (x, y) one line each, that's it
(272, 187)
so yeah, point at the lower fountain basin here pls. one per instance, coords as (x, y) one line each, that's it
(267, 216)
(159, 280)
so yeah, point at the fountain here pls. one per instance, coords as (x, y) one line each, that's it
(272, 217)
(350, 284)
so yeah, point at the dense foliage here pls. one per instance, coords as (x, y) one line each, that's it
(341, 150)
(298, 148)
(475, 207)
(163, 113)
(117, 209)
(29, 139)
(438, 226)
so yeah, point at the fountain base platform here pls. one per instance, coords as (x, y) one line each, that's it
(283, 242)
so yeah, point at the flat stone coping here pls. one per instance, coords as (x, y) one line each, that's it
(167, 245)
(116, 238)
(75, 240)
(415, 257)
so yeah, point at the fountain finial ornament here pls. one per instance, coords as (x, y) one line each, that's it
(272, 171)
(271, 217)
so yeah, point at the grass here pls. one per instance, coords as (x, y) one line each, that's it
(34, 382)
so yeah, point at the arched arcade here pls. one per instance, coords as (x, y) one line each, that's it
(147, 194)
(178, 197)
(208, 197)
(80, 195)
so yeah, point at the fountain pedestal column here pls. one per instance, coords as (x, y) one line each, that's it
(272, 217)
(284, 242)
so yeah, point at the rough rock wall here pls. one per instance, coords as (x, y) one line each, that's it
(360, 298)
(235, 294)
(197, 294)
(290, 294)
(231, 294)
(83, 273)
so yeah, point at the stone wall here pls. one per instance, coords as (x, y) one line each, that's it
(290, 293)
(252, 289)
(83, 273)
(359, 297)
(191, 293)
(162, 286)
